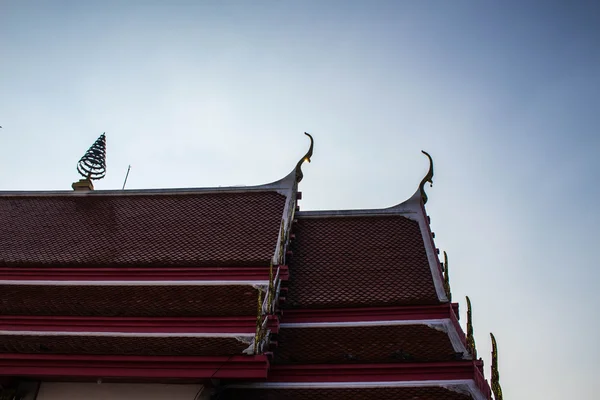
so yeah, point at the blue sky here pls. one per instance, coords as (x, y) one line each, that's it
(504, 95)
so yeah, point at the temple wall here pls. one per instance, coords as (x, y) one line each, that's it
(116, 391)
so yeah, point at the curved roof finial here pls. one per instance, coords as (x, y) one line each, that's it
(470, 337)
(427, 178)
(307, 156)
(496, 389)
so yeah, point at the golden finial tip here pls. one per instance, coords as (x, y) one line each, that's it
(470, 336)
(496, 388)
(447, 278)
(427, 178)
(307, 156)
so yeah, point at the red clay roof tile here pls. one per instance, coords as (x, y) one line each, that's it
(129, 301)
(363, 344)
(365, 261)
(110, 345)
(200, 229)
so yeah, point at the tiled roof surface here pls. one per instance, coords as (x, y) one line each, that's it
(409, 393)
(145, 346)
(201, 229)
(364, 344)
(358, 262)
(140, 301)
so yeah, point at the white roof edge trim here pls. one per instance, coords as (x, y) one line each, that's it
(281, 186)
(243, 337)
(429, 322)
(457, 343)
(262, 285)
(408, 208)
(430, 251)
(325, 385)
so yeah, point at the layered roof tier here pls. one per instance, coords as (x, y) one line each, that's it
(142, 228)
(367, 313)
(355, 260)
(99, 281)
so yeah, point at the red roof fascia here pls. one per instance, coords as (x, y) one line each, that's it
(441, 311)
(374, 372)
(454, 319)
(480, 381)
(66, 366)
(141, 274)
(135, 324)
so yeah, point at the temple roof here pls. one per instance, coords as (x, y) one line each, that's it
(211, 227)
(358, 261)
(198, 283)
(143, 228)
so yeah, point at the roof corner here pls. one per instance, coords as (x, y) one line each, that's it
(289, 188)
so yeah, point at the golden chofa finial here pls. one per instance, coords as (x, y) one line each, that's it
(470, 337)
(427, 178)
(307, 156)
(447, 278)
(496, 389)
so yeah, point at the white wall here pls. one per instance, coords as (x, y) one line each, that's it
(115, 391)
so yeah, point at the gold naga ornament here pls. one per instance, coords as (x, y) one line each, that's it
(262, 329)
(496, 389)
(470, 337)
(447, 278)
(258, 322)
(271, 290)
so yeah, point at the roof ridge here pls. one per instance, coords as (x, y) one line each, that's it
(408, 207)
(281, 186)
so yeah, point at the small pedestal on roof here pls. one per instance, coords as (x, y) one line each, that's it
(83, 184)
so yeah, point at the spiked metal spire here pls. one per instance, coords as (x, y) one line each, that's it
(93, 163)
(92, 166)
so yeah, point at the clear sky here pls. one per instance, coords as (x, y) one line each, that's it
(504, 95)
